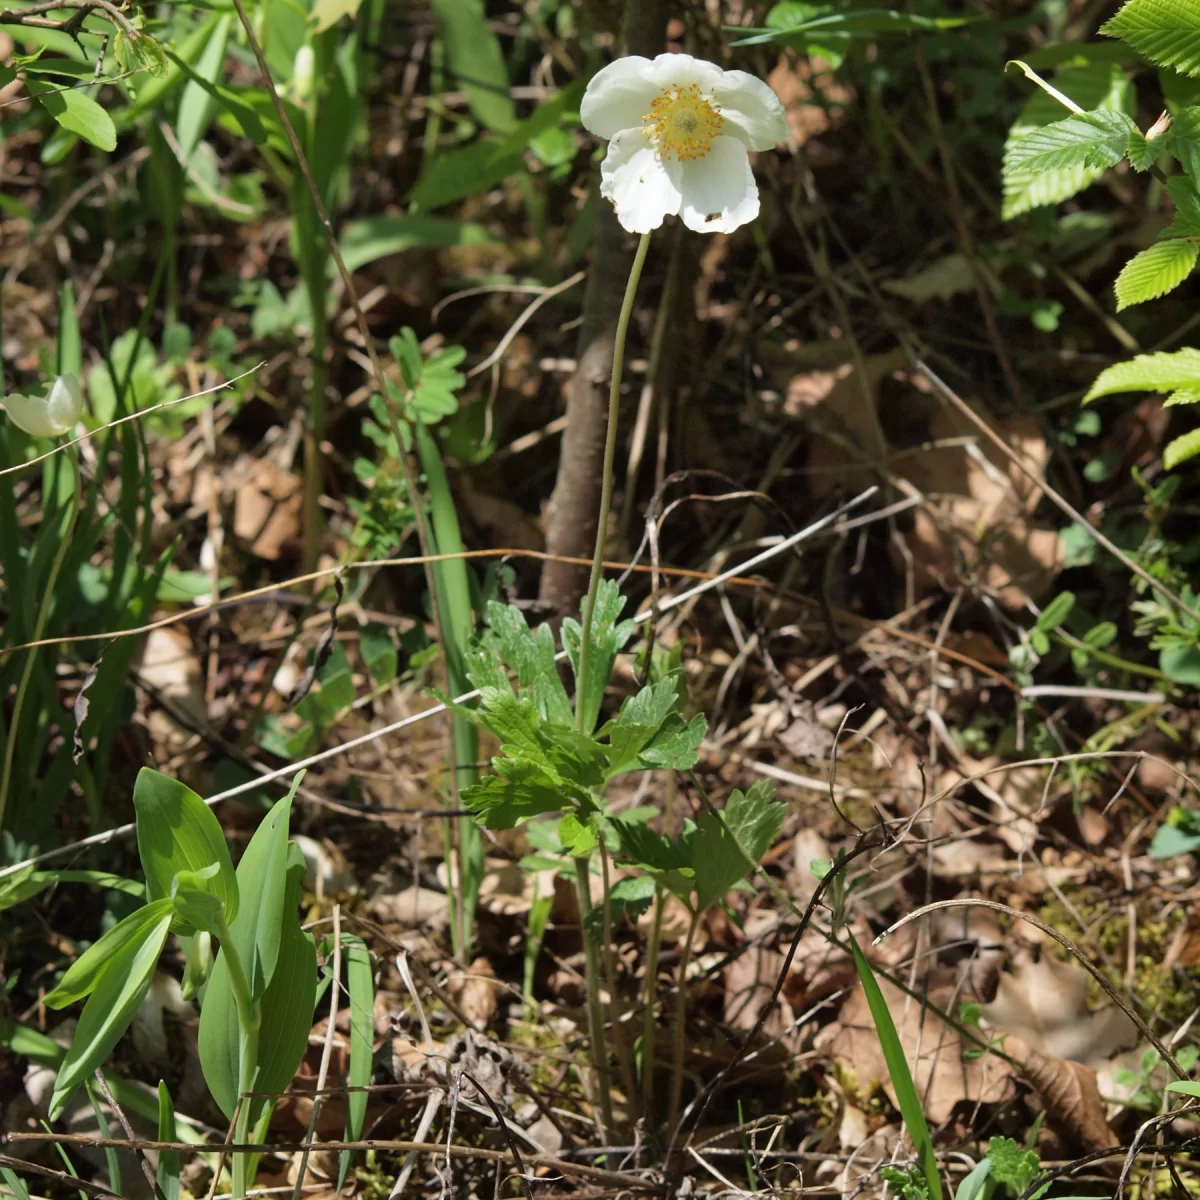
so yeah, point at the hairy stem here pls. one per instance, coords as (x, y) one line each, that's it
(650, 1026)
(610, 450)
(680, 1016)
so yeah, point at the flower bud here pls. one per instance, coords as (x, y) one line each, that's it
(51, 415)
(303, 69)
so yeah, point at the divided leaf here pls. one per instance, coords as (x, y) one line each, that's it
(514, 793)
(727, 846)
(530, 655)
(1167, 32)
(1155, 271)
(608, 639)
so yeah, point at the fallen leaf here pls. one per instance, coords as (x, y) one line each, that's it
(1069, 1091)
(475, 992)
(934, 1051)
(266, 510)
(749, 982)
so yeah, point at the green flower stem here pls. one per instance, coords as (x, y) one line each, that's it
(249, 1019)
(595, 1013)
(610, 451)
(39, 628)
(680, 1016)
(650, 1026)
(614, 1000)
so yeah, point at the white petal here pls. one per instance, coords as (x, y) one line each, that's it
(682, 70)
(29, 413)
(752, 109)
(618, 96)
(64, 405)
(721, 186)
(643, 188)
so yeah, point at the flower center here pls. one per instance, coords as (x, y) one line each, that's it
(681, 123)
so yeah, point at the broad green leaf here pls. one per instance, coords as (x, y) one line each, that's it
(543, 118)
(1187, 208)
(360, 988)
(110, 1008)
(1167, 32)
(1183, 396)
(372, 238)
(805, 23)
(198, 103)
(1056, 612)
(1185, 1087)
(22, 885)
(177, 831)
(85, 972)
(167, 1176)
(727, 846)
(907, 1097)
(377, 649)
(608, 639)
(476, 60)
(234, 103)
(76, 112)
(640, 718)
(972, 1186)
(1093, 86)
(1143, 152)
(1155, 271)
(1094, 140)
(1184, 447)
(676, 745)
(327, 13)
(1165, 371)
(462, 171)
(286, 1009)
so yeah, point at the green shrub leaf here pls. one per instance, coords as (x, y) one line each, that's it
(1184, 447)
(1166, 371)
(726, 846)
(1167, 32)
(1094, 140)
(1155, 271)
(76, 112)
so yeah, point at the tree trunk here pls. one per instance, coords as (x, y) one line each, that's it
(571, 516)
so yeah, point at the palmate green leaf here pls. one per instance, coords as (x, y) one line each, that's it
(76, 112)
(121, 987)
(579, 837)
(1012, 1165)
(1094, 140)
(608, 640)
(516, 791)
(1155, 271)
(639, 720)
(530, 656)
(728, 845)
(286, 1009)
(676, 746)
(1167, 32)
(1094, 86)
(1183, 448)
(84, 974)
(176, 831)
(1165, 371)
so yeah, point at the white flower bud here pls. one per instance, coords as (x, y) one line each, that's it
(303, 69)
(51, 415)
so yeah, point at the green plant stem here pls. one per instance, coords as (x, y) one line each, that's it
(583, 892)
(248, 1025)
(650, 1026)
(680, 1017)
(39, 628)
(606, 478)
(633, 1100)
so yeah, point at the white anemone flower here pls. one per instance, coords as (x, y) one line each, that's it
(51, 415)
(679, 130)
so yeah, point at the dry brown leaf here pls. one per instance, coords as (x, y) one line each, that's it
(266, 509)
(474, 990)
(934, 1050)
(749, 983)
(1045, 1005)
(1068, 1090)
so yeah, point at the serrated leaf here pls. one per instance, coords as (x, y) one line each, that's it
(1183, 141)
(177, 831)
(676, 745)
(1181, 449)
(530, 656)
(516, 792)
(608, 639)
(579, 837)
(1165, 371)
(639, 720)
(1155, 271)
(1143, 152)
(121, 987)
(1094, 140)
(1093, 86)
(1012, 1164)
(1167, 32)
(76, 112)
(1187, 208)
(1183, 396)
(727, 846)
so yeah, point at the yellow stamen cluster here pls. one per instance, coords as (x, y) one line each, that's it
(681, 123)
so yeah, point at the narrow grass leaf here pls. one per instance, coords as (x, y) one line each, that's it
(360, 983)
(168, 1160)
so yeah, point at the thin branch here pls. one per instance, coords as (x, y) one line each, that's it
(32, 16)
